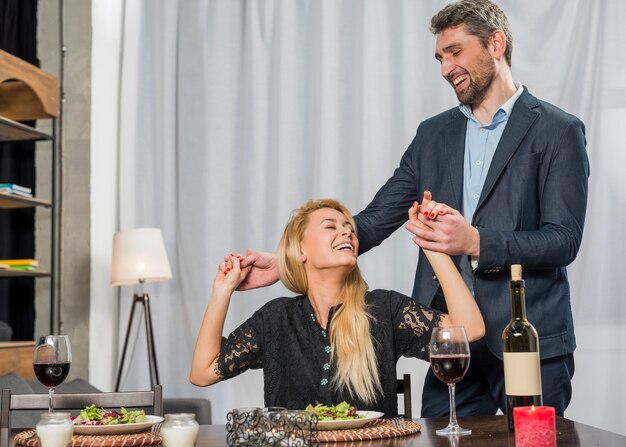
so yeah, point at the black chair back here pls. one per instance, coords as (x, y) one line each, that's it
(404, 388)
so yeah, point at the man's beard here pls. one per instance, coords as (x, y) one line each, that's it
(479, 84)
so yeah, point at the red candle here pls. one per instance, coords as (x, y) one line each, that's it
(534, 426)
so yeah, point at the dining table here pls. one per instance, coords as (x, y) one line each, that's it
(487, 431)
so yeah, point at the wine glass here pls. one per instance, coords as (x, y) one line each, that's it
(449, 360)
(51, 362)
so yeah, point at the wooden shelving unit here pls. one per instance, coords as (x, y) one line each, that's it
(11, 273)
(13, 131)
(8, 201)
(26, 94)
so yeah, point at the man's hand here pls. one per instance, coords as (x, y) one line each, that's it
(263, 270)
(448, 231)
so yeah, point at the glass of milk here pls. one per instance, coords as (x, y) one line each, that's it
(55, 430)
(179, 430)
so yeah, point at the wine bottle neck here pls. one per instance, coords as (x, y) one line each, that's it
(518, 307)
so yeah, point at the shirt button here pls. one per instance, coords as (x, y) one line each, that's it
(482, 131)
(478, 162)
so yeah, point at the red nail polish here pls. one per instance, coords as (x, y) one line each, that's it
(426, 213)
(224, 273)
(432, 215)
(232, 254)
(239, 256)
(228, 269)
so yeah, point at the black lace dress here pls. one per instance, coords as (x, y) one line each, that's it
(284, 338)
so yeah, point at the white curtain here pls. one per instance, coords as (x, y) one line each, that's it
(227, 115)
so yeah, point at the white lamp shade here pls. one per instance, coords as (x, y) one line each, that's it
(139, 256)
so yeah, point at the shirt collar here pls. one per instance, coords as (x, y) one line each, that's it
(502, 113)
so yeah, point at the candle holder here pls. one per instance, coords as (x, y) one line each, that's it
(55, 429)
(243, 427)
(180, 430)
(280, 428)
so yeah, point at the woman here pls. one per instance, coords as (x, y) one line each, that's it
(335, 341)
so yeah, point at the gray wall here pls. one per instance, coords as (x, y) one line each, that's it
(73, 175)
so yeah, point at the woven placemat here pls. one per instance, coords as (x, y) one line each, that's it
(131, 439)
(378, 429)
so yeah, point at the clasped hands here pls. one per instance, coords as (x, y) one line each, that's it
(231, 273)
(438, 227)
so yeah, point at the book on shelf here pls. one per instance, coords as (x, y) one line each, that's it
(18, 190)
(16, 187)
(15, 192)
(22, 267)
(18, 262)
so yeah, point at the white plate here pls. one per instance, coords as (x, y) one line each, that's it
(342, 424)
(116, 429)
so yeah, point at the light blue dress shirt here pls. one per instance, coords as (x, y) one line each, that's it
(480, 146)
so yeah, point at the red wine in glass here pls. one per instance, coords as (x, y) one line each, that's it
(51, 362)
(449, 360)
(450, 368)
(52, 374)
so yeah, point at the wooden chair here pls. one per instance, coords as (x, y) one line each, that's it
(404, 388)
(151, 400)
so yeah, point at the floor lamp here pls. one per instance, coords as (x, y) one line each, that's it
(139, 257)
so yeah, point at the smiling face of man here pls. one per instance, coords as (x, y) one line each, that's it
(466, 64)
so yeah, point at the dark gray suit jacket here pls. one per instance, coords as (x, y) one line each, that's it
(531, 212)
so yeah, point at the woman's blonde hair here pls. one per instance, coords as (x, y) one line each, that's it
(352, 346)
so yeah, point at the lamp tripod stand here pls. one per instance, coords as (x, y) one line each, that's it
(143, 300)
(139, 257)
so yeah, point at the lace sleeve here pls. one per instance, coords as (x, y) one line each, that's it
(413, 327)
(239, 352)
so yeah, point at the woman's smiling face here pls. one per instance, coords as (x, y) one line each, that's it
(329, 241)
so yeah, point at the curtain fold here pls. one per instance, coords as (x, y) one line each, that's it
(234, 113)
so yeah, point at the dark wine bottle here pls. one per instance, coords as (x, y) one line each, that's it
(520, 350)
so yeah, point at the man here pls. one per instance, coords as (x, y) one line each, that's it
(516, 168)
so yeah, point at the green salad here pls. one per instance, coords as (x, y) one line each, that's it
(335, 412)
(99, 416)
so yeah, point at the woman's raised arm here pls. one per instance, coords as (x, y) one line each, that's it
(203, 365)
(462, 308)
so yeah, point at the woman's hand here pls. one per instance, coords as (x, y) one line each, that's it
(429, 209)
(230, 275)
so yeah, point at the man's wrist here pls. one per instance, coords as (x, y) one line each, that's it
(474, 251)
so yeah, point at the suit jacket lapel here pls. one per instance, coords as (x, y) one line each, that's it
(454, 149)
(522, 117)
